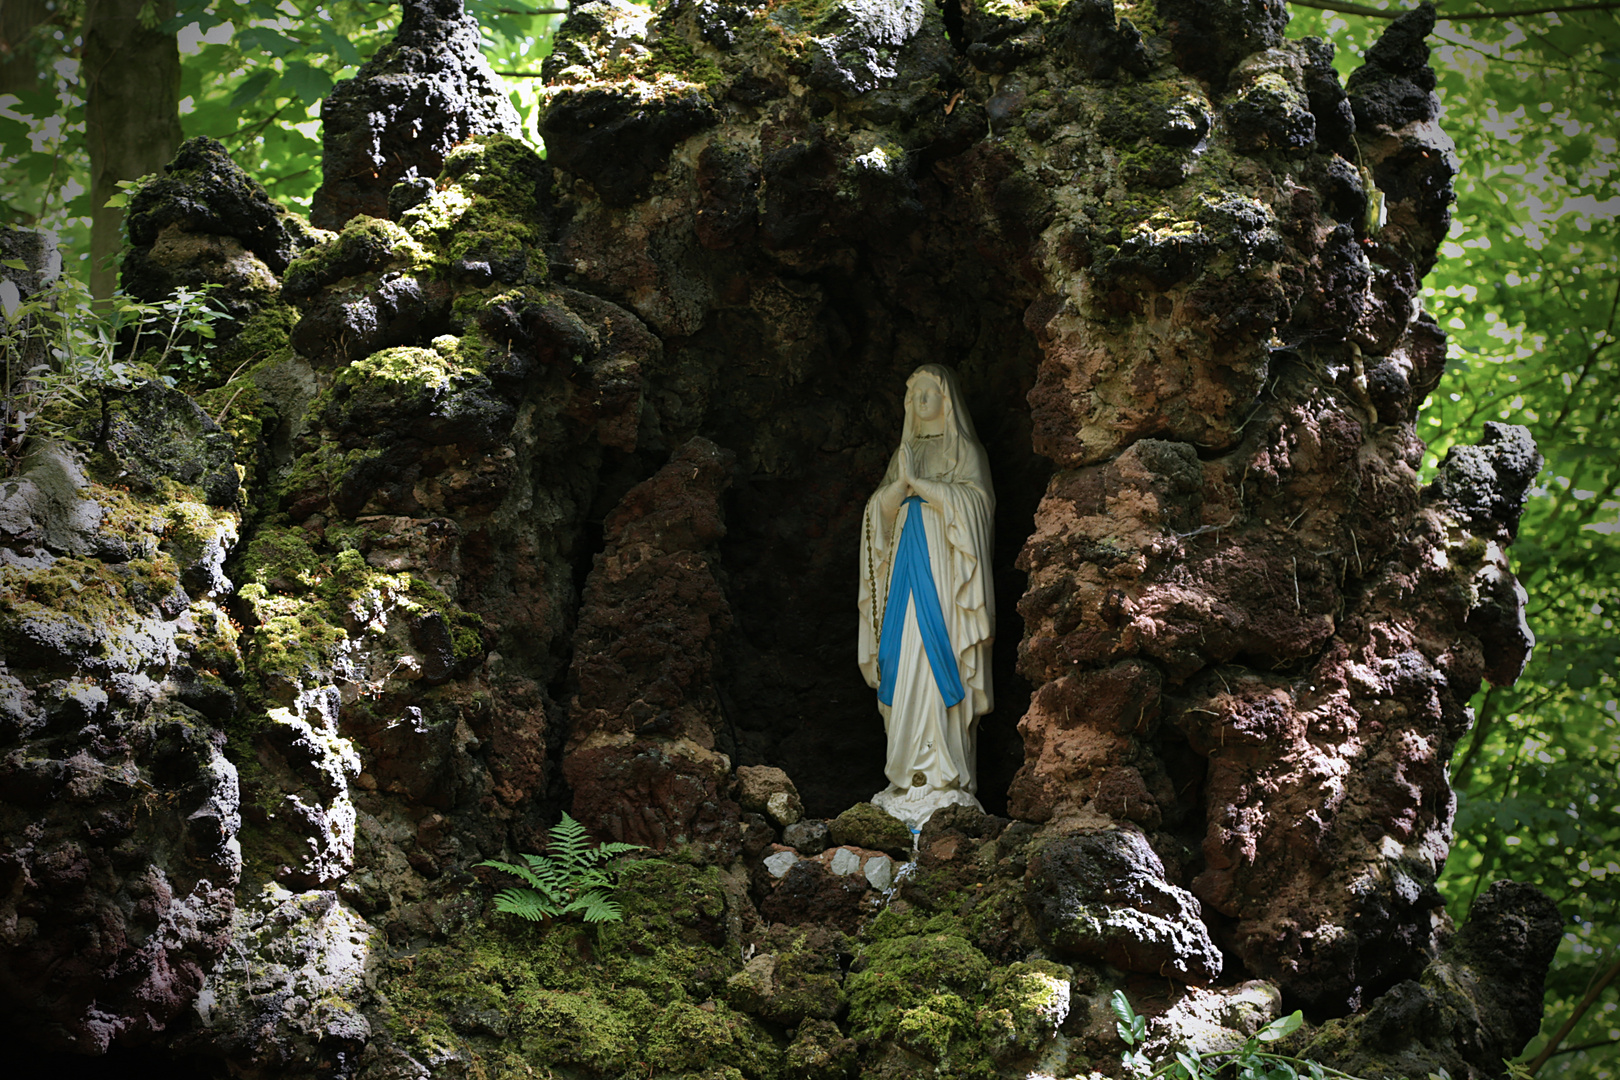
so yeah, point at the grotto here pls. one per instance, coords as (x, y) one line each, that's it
(526, 485)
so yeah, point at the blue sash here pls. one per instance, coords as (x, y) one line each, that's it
(913, 577)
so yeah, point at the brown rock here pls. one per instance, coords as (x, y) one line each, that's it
(764, 789)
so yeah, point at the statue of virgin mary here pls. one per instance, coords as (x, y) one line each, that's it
(927, 605)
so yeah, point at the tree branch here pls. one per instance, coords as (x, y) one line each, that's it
(1395, 13)
(1487, 715)
(1592, 993)
(1578, 1047)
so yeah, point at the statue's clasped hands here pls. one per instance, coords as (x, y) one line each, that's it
(909, 482)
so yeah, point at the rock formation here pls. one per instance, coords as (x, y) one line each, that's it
(539, 488)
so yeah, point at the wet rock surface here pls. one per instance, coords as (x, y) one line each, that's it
(550, 476)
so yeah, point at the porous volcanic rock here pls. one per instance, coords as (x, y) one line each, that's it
(119, 812)
(553, 490)
(641, 759)
(424, 92)
(1103, 896)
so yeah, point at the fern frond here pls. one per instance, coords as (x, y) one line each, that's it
(521, 872)
(575, 876)
(551, 875)
(596, 907)
(551, 887)
(527, 904)
(569, 843)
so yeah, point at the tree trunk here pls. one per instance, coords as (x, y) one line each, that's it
(131, 73)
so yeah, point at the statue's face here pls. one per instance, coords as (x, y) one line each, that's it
(927, 401)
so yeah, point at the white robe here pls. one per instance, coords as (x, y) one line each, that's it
(925, 737)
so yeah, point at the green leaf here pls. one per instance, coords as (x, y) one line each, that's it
(263, 39)
(253, 86)
(339, 45)
(1281, 1028)
(1126, 1018)
(307, 83)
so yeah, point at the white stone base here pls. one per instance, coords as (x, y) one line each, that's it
(914, 806)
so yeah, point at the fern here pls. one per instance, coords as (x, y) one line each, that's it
(575, 878)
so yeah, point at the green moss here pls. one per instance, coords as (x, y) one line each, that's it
(1155, 166)
(320, 470)
(267, 333)
(928, 1029)
(582, 1029)
(280, 558)
(466, 628)
(636, 999)
(305, 599)
(85, 598)
(388, 384)
(1144, 15)
(1137, 111)
(688, 1037)
(1019, 10)
(674, 55)
(1026, 1003)
(161, 531)
(366, 244)
(295, 645)
(868, 826)
(485, 216)
(901, 974)
(895, 923)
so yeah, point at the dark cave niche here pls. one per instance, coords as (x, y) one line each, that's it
(807, 388)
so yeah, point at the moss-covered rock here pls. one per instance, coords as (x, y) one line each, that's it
(796, 976)
(485, 221)
(820, 1051)
(204, 192)
(366, 244)
(319, 608)
(1026, 1004)
(154, 433)
(893, 976)
(868, 826)
(633, 995)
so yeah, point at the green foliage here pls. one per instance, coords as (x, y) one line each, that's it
(1249, 1061)
(60, 351)
(253, 74)
(1527, 288)
(575, 878)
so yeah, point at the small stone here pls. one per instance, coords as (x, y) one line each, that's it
(879, 870)
(808, 836)
(784, 807)
(844, 862)
(780, 862)
(765, 789)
